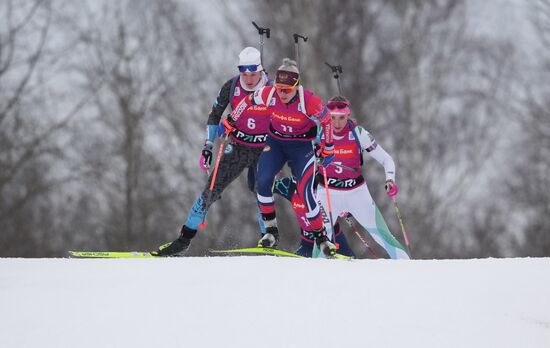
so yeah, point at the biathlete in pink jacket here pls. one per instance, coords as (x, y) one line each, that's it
(296, 113)
(348, 188)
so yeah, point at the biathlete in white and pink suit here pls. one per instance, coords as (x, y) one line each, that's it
(347, 186)
(296, 113)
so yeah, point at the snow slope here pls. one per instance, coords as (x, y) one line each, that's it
(274, 302)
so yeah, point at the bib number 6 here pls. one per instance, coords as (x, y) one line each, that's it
(251, 124)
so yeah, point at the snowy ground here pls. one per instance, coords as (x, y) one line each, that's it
(274, 302)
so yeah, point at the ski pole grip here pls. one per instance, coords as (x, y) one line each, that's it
(336, 69)
(298, 36)
(256, 25)
(261, 30)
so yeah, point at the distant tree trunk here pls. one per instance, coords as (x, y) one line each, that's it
(138, 55)
(528, 186)
(29, 150)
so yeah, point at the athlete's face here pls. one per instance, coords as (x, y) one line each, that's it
(251, 78)
(339, 121)
(286, 94)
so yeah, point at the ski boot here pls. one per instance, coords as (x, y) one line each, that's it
(179, 246)
(270, 239)
(325, 245)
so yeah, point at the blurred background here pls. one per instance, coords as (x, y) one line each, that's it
(103, 107)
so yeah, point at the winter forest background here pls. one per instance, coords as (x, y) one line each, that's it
(103, 107)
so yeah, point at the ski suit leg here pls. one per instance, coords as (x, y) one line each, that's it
(306, 243)
(306, 247)
(303, 166)
(270, 163)
(361, 205)
(251, 181)
(341, 240)
(338, 200)
(233, 161)
(286, 187)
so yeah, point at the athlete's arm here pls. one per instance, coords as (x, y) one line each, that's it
(375, 150)
(220, 104)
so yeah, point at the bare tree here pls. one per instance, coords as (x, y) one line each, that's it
(444, 93)
(143, 118)
(528, 182)
(29, 130)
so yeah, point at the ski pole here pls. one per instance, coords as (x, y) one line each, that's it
(267, 33)
(336, 70)
(297, 37)
(402, 226)
(202, 225)
(347, 217)
(329, 205)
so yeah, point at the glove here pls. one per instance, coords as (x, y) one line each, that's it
(206, 156)
(391, 188)
(318, 149)
(226, 126)
(328, 155)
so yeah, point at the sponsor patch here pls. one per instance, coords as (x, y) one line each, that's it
(236, 114)
(228, 149)
(346, 151)
(372, 147)
(292, 119)
(251, 138)
(345, 183)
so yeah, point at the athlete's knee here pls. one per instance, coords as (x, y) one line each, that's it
(251, 179)
(264, 184)
(209, 198)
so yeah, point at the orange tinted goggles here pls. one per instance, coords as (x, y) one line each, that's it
(286, 88)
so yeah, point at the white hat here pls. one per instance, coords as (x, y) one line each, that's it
(250, 56)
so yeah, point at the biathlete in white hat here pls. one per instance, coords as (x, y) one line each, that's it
(247, 140)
